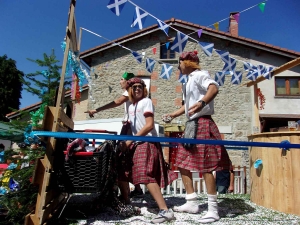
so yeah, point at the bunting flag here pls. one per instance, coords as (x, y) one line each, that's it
(252, 75)
(259, 71)
(261, 6)
(207, 47)
(236, 17)
(199, 33)
(216, 25)
(230, 65)
(139, 18)
(150, 64)
(223, 54)
(164, 27)
(182, 78)
(236, 77)
(116, 6)
(167, 45)
(220, 78)
(166, 71)
(268, 73)
(154, 50)
(249, 66)
(137, 56)
(179, 42)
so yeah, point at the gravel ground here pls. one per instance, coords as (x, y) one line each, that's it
(233, 209)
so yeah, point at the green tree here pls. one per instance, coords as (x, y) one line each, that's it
(43, 83)
(10, 86)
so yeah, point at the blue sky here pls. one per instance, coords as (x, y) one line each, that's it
(33, 27)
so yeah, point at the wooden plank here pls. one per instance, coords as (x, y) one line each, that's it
(39, 170)
(67, 121)
(51, 207)
(275, 72)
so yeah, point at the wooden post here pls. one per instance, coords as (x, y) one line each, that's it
(256, 124)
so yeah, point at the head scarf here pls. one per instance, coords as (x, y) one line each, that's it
(192, 56)
(127, 76)
(133, 81)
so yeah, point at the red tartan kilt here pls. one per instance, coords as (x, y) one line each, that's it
(149, 166)
(204, 158)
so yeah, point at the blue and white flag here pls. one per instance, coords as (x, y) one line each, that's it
(259, 71)
(220, 78)
(137, 56)
(166, 71)
(150, 64)
(164, 27)
(249, 66)
(223, 54)
(206, 47)
(182, 78)
(179, 42)
(236, 77)
(268, 74)
(229, 65)
(139, 18)
(116, 6)
(252, 75)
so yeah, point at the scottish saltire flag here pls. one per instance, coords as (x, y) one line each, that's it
(223, 54)
(220, 78)
(139, 18)
(249, 66)
(236, 77)
(116, 6)
(164, 27)
(267, 74)
(179, 42)
(137, 56)
(166, 71)
(206, 47)
(229, 65)
(182, 78)
(252, 75)
(150, 64)
(259, 71)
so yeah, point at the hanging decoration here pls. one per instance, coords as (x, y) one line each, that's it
(150, 64)
(77, 94)
(268, 73)
(199, 33)
(164, 27)
(236, 17)
(38, 115)
(261, 98)
(137, 56)
(182, 78)
(116, 6)
(220, 78)
(207, 47)
(236, 77)
(139, 18)
(216, 25)
(166, 71)
(179, 43)
(154, 51)
(261, 6)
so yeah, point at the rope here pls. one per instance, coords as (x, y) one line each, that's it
(163, 139)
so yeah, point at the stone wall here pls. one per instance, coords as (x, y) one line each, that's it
(233, 106)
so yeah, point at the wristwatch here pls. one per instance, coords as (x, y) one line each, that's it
(203, 103)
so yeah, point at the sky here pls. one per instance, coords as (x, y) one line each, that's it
(29, 28)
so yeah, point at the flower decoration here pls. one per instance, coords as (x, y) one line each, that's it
(261, 98)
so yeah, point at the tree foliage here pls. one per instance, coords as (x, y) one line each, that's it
(43, 83)
(10, 86)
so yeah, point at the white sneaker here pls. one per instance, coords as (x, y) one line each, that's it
(163, 216)
(191, 206)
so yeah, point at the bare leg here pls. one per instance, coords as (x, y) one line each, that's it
(212, 212)
(124, 188)
(187, 180)
(154, 190)
(191, 206)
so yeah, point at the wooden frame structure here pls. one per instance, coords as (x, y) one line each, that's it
(275, 72)
(55, 119)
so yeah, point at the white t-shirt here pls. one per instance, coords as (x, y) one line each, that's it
(126, 106)
(195, 89)
(136, 114)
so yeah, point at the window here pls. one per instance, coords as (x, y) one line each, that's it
(287, 86)
(166, 53)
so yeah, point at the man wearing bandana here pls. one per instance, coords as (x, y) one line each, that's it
(199, 93)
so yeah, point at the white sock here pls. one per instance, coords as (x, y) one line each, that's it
(212, 214)
(191, 205)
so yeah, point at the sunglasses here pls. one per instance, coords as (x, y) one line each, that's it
(134, 87)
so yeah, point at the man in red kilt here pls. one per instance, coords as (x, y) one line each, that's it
(199, 93)
(149, 167)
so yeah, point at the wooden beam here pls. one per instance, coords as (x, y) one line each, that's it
(275, 72)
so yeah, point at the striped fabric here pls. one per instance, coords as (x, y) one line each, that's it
(204, 158)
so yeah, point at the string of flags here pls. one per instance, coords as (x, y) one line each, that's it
(179, 44)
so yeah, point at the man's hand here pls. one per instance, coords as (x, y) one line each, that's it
(91, 112)
(195, 108)
(167, 118)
